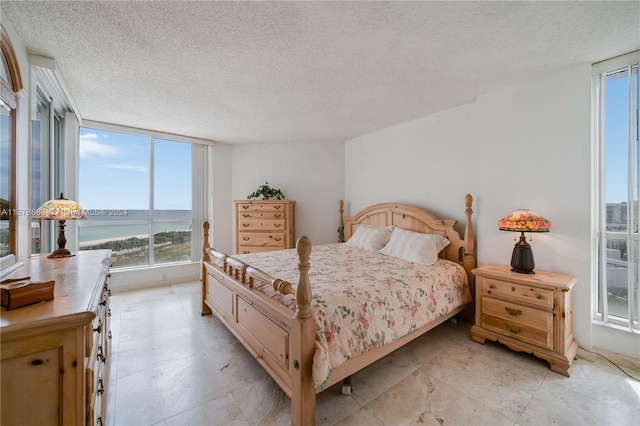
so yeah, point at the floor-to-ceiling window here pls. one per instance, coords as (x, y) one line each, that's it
(137, 190)
(10, 84)
(616, 89)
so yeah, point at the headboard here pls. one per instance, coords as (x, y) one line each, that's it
(419, 220)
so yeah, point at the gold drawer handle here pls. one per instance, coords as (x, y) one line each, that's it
(277, 225)
(245, 207)
(538, 296)
(245, 224)
(277, 207)
(278, 238)
(515, 330)
(492, 286)
(245, 252)
(246, 215)
(277, 216)
(514, 312)
(246, 238)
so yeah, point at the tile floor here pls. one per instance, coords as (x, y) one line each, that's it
(171, 366)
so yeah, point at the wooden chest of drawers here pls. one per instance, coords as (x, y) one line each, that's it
(528, 313)
(55, 354)
(264, 225)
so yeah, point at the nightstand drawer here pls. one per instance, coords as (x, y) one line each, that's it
(540, 338)
(518, 314)
(259, 239)
(249, 249)
(529, 294)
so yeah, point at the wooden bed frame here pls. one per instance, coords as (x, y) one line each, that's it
(283, 341)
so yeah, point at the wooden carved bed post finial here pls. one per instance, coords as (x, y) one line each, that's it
(205, 240)
(303, 293)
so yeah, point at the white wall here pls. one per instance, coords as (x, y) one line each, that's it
(527, 146)
(311, 174)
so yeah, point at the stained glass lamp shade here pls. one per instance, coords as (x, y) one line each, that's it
(523, 221)
(61, 209)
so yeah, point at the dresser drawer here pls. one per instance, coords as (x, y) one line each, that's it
(261, 215)
(258, 239)
(261, 224)
(249, 249)
(261, 207)
(529, 294)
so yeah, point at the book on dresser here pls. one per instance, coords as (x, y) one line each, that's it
(264, 225)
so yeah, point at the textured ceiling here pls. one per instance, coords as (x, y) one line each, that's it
(241, 72)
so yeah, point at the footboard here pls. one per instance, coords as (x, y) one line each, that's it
(280, 339)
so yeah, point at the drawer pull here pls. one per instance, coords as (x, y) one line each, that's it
(245, 224)
(100, 355)
(246, 238)
(245, 207)
(538, 296)
(277, 225)
(515, 330)
(99, 329)
(513, 289)
(513, 312)
(245, 252)
(246, 215)
(492, 286)
(277, 207)
(278, 238)
(277, 216)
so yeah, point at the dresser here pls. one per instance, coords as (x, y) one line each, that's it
(530, 313)
(55, 354)
(264, 225)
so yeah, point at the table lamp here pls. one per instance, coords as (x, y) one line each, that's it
(61, 209)
(522, 221)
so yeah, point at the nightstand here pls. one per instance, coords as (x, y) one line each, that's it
(530, 313)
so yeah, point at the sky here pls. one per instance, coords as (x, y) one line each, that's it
(115, 170)
(616, 128)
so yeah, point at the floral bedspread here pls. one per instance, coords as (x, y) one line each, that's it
(363, 300)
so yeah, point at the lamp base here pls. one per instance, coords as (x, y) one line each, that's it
(522, 258)
(59, 253)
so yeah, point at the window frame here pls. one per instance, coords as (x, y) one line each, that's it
(601, 314)
(9, 96)
(200, 185)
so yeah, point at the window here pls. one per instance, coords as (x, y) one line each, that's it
(616, 89)
(136, 189)
(10, 85)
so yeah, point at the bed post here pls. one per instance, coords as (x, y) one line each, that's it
(303, 335)
(205, 309)
(341, 225)
(468, 259)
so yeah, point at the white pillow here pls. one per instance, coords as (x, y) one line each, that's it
(414, 246)
(370, 238)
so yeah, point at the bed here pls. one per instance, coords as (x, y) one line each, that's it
(310, 330)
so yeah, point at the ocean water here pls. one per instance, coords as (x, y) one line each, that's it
(103, 225)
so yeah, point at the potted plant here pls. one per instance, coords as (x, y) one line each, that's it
(266, 192)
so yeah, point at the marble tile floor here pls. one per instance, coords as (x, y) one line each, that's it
(171, 366)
